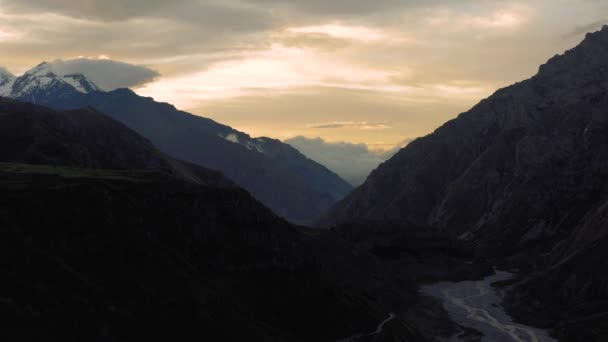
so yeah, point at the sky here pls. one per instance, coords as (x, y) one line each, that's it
(353, 162)
(341, 72)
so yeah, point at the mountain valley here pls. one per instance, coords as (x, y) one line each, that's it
(126, 219)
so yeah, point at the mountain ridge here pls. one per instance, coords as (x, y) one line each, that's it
(285, 180)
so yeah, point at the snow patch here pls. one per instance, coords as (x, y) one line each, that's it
(81, 83)
(250, 144)
(255, 146)
(232, 138)
(75, 84)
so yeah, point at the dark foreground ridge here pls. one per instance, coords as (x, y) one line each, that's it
(130, 256)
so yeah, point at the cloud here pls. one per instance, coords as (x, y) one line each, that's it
(7, 35)
(344, 7)
(352, 124)
(217, 16)
(106, 73)
(105, 10)
(503, 18)
(4, 72)
(353, 162)
(361, 33)
(318, 41)
(277, 68)
(583, 29)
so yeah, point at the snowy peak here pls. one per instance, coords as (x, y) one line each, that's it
(44, 80)
(41, 69)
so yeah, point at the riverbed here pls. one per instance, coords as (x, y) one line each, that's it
(477, 305)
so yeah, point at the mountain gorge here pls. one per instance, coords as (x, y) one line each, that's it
(282, 178)
(126, 219)
(524, 177)
(106, 238)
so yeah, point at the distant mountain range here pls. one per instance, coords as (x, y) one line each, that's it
(277, 174)
(524, 176)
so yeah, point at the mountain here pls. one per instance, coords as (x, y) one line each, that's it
(42, 81)
(105, 238)
(85, 138)
(524, 176)
(277, 174)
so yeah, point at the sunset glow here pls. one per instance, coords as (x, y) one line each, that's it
(280, 70)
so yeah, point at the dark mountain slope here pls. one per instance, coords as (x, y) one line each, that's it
(131, 256)
(278, 175)
(282, 184)
(569, 291)
(523, 175)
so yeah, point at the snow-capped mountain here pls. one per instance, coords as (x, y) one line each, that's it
(43, 81)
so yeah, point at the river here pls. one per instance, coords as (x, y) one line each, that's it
(477, 305)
